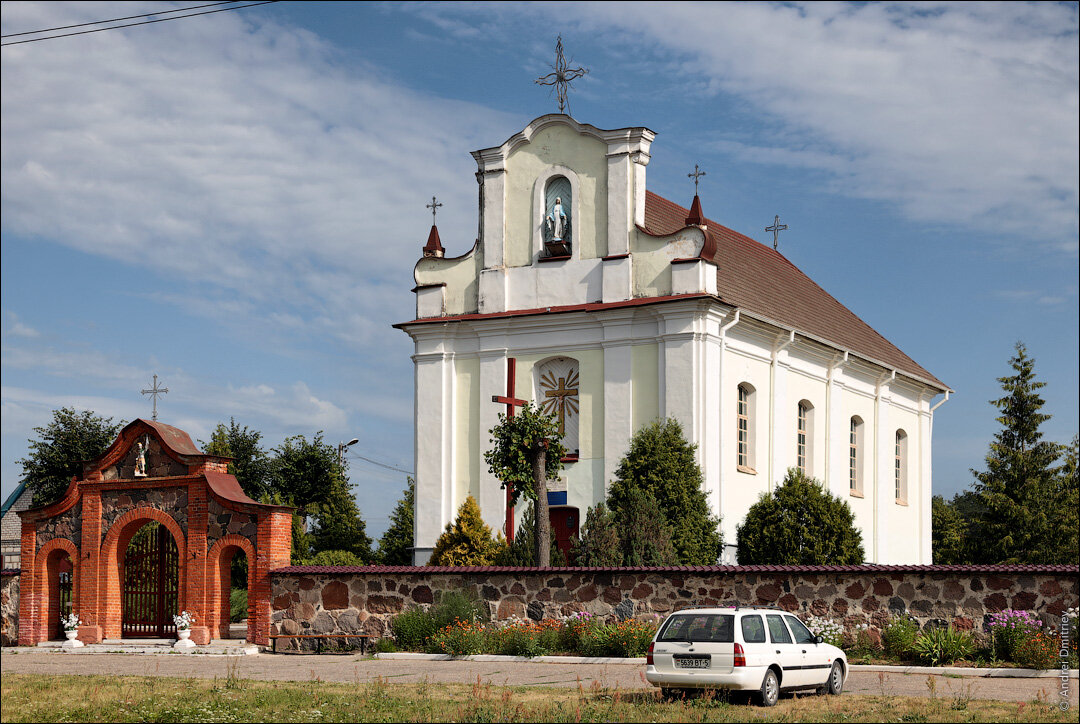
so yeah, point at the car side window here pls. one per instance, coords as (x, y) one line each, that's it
(799, 631)
(778, 632)
(753, 632)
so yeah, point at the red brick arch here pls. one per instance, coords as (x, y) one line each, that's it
(113, 547)
(47, 586)
(218, 583)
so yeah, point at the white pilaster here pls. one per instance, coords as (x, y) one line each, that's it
(620, 203)
(494, 215)
(434, 445)
(836, 435)
(618, 392)
(490, 496)
(884, 472)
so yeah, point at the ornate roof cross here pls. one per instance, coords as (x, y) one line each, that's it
(697, 174)
(434, 206)
(154, 392)
(776, 228)
(562, 77)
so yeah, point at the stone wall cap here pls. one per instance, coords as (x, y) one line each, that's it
(869, 568)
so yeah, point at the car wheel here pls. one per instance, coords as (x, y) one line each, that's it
(836, 679)
(770, 689)
(668, 694)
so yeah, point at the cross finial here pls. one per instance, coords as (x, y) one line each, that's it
(562, 77)
(776, 228)
(434, 206)
(154, 392)
(697, 174)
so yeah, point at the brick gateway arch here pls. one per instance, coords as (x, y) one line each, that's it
(151, 473)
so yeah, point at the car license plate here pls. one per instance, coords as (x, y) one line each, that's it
(691, 662)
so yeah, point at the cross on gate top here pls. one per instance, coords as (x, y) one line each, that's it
(697, 174)
(776, 228)
(562, 77)
(434, 206)
(154, 392)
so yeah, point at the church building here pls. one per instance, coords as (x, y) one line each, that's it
(611, 307)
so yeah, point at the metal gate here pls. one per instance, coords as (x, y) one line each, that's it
(151, 583)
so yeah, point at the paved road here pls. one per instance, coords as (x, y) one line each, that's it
(359, 670)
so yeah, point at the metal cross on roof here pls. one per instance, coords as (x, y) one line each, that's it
(434, 206)
(776, 228)
(695, 175)
(562, 77)
(154, 392)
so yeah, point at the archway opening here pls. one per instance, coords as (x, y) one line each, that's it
(60, 575)
(151, 583)
(233, 576)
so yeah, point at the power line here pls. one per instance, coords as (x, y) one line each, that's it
(116, 20)
(381, 465)
(144, 22)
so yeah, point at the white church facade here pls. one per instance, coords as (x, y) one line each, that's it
(618, 307)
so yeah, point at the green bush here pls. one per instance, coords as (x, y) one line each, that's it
(384, 646)
(457, 639)
(411, 628)
(899, 636)
(238, 606)
(1039, 652)
(943, 645)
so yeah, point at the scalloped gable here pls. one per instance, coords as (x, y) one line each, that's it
(760, 280)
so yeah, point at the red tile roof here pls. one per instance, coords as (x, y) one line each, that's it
(760, 280)
(869, 568)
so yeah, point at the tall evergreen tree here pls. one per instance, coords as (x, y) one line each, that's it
(63, 445)
(396, 544)
(467, 541)
(645, 536)
(1067, 507)
(799, 523)
(948, 532)
(661, 462)
(1019, 487)
(599, 543)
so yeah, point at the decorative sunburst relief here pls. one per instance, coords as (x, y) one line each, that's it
(558, 395)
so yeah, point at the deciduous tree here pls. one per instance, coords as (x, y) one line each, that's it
(250, 464)
(56, 456)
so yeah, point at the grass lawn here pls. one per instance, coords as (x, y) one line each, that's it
(34, 698)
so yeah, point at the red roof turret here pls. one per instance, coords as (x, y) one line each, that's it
(434, 247)
(696, 217)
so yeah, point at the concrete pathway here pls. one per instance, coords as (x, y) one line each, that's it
(356, 669)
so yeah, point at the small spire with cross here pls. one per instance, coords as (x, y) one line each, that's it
(433, 247)
(154, 392)
(776, 228)
(562, 77)
(434, 206)
(697, 174)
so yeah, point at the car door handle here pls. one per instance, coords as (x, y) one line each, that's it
(778, 651)
(804, 651)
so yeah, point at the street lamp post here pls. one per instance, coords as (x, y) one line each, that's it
(341, 449)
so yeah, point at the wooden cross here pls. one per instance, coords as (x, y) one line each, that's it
(697, 174)
(560, 397)
(776, 228)
(511, 402)
(434, 206)
(562, 77)
(154, 392)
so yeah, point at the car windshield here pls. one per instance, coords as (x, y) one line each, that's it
(705, 627)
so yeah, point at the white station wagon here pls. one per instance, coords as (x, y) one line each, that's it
(765, 650)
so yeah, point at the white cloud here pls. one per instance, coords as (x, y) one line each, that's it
(18, 329)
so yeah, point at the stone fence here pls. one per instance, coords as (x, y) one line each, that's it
(350, 599)
(9, 607)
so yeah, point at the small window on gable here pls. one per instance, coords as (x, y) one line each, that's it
(558, 395)
(804, 438)
(855, 456)
(558, 217)
(901, 466)
(746, 418)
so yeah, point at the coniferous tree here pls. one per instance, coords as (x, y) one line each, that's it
(948, 533)
(1021, 484)
(661, 462)
(522, 551)
(599, 543)
(645, 537)
(70, 439)
(396, 544)
(1067, 507)
(799, 523)
(467, 541)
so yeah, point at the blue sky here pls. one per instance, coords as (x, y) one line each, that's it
(235, 201)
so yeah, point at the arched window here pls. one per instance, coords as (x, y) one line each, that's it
(557, 394)
(746, 420)
(901, 466)
(558, 217)
(855, 455)
(804, 438)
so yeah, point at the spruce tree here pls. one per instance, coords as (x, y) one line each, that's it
(522, 551)
(661, 462)
(645, 537)
(799, 523)
(396, 544)
(948, 532)
(599, 543)
(467, 541)
(1020, 486)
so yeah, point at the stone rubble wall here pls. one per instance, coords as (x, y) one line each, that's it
(353, 602)
(9, 610)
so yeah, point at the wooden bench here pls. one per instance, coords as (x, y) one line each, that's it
(363, 639)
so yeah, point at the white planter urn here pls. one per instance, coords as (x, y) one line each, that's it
(184, 639)
(72, 640)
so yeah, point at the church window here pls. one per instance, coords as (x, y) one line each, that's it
(900, 466)
(745, 457)
(558, 217)
(855, 455)
(558, 395)
(804, 451)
